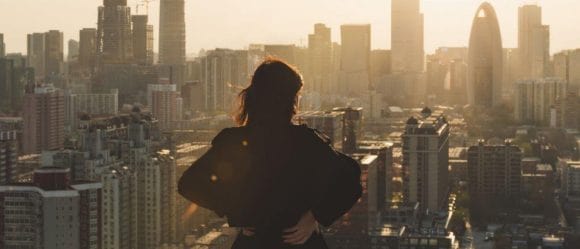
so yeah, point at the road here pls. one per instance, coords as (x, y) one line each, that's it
(477, 241)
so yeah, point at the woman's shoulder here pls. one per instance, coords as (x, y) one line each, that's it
(228, 134)
(312, 134)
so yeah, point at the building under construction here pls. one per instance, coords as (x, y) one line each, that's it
(114, 37)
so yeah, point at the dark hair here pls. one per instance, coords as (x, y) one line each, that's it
(272, 95)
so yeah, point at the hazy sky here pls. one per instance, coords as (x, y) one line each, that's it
(236, 23)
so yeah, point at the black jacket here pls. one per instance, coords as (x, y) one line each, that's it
(267, 177)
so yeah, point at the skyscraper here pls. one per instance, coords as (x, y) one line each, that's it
(54, 55)
(533, 42)
(172, 32)
(43, 120)
(87, 48)
(426, 160)
(355, 59)
(2, 46)
(407, 36)
(36, 53)
(320, 59)
(114, 43)
(142, 40)
(485, 62)
(73, 50)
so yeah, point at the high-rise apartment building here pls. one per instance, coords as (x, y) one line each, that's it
(426, 160)
(142, 40)
(114, 38)
(494, 170)
(407, 48)
(89, 104)
(567, 67)
(166, 104)
(43, 114)
(36, 53)
(534, 99)
(172, 32)
(567, 111)
(223, 72)
(54, 55)
(355, 59)
(119, 208)
(88, 48)
(485, 59)
(533, 43)
(51, 212)
(8, 155)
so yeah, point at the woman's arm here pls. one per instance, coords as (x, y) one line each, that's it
(200, 184)
(342, 189)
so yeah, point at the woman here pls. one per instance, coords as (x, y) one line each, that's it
(276, 180)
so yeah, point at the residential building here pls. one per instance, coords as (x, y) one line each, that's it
(494, 170)
(44, 112)
(426, 160)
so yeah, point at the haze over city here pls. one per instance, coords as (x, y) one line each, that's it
(211, 24)
(306, 124)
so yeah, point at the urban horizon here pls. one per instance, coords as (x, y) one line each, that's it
(463, 134)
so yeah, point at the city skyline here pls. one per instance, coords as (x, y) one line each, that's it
(441, 29)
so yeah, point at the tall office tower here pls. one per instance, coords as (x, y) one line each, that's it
(485, 62)
(534, 100)
(15, 77)
(88, 48)
(533, 43)
(51, 212)
(172, 32)
(166, 104)
(89, 104)
(36, 53)
(426, 159)
(408, 54)
(355, 59)
(119, 208)
(320, 59)
(73, 50)
(494, 170)
(54, 55)
(43, 115)
(223, 72)
(142, 40)
(8, 155)
(2, 46)
(114, 45)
